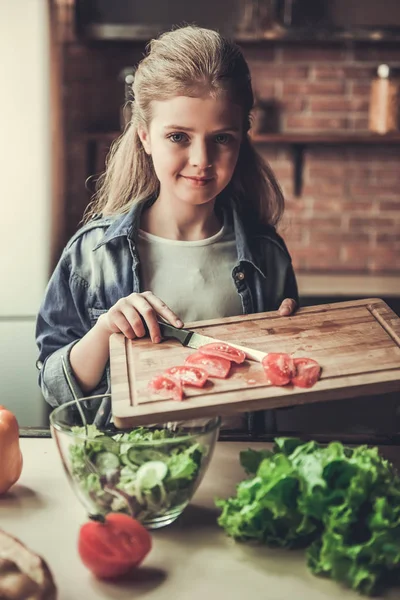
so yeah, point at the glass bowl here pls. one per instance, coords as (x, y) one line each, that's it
(150, 473)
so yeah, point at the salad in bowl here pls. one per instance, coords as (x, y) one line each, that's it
(149, 473)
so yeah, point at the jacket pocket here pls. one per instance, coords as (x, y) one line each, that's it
(95, 313)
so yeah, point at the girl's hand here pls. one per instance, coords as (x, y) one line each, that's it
(126, 316)
(287, 307)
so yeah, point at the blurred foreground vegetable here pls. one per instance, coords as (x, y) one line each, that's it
(343, 503)
(24, 575)
(10, 453)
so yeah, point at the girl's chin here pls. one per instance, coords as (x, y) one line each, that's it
(196, 201)
(191, 195)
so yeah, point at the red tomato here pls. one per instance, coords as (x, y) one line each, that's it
(167, 387)
(215, 367)
(114, 547)
(188, 375)
(308, 372)
(223, 351)
(279, 368)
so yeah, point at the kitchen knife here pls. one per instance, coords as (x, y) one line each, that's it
(192, 339)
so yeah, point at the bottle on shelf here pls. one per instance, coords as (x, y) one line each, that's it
(127, 77)
(384, 102)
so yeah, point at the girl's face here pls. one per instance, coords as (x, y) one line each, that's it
(194, 144)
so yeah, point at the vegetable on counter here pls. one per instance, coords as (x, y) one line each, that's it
(10, 452)
(23, 574)
(343, 503)
(136, 473)
(113, 545)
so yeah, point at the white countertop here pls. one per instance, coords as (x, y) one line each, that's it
(191, 560)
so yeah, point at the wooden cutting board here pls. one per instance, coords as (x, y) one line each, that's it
(356, 343)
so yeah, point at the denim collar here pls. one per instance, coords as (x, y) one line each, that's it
(125, 225)
(128, 225)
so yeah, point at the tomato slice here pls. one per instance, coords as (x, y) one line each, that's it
(113, 548)
(222, 350)
(215, 367)
(307, 374)
(279, 368)
(167, 387)
(188, 375)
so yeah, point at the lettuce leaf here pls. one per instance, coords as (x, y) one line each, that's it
(343, 503)
(266, 507)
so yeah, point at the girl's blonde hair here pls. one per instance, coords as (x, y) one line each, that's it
(189, 62)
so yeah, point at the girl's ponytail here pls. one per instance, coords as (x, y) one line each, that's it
(129, 176)
(255, 188)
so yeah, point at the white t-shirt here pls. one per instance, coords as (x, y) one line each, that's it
(193, 278)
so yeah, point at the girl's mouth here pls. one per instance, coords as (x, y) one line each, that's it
(198, 181)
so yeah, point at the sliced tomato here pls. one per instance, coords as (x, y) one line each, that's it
(167, 387)
(112, 548)
(223, 351)
(188, 375)
(279, 368)
(307, 374)
(215, 367)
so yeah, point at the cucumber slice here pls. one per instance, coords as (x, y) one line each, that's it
(141, 456)
(125, 461)
(106, 462)
(108, 443)
(151, 474)
(125, 447)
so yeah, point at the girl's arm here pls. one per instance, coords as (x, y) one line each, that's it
(88, 357)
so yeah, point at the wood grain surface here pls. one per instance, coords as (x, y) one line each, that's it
(356, 343)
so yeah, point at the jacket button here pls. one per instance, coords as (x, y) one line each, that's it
(240, 276)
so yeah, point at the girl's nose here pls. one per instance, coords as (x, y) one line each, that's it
(200, 156)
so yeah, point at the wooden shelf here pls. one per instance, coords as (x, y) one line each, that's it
(348, 284)
(297, 142)
(144, 32)
(327, 138)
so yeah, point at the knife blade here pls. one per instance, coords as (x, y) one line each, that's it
(192, 339)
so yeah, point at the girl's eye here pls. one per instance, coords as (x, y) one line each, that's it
(223, 138)
(177, 138)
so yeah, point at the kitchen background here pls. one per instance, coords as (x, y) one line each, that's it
(64, 63)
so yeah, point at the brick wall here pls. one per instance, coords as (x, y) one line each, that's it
(347, 218)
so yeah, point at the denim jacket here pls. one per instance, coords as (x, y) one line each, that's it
(100, 265)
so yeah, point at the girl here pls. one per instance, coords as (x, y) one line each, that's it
(182, 226)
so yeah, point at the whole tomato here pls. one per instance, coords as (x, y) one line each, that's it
(111, 546)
